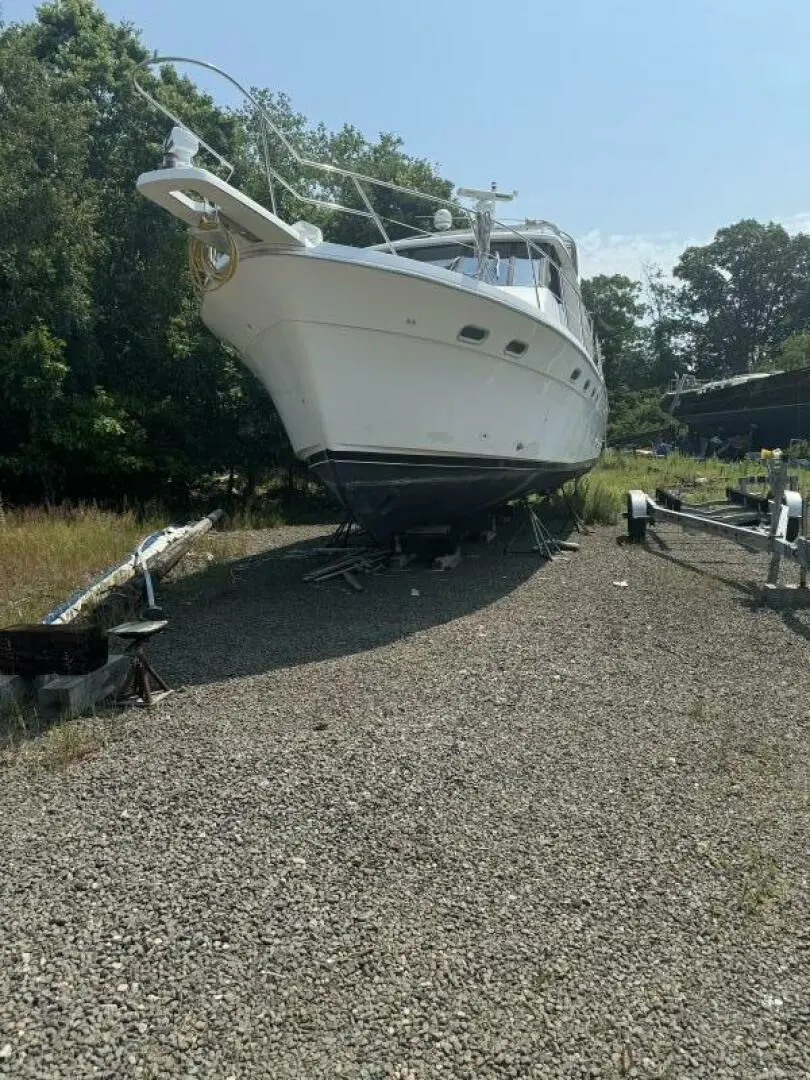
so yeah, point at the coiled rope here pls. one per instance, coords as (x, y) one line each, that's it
(208, 272)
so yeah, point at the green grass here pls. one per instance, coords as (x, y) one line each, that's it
(599, 497)
(47, 553)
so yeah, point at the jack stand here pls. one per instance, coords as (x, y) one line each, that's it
(343, 533)
(544, 542)
(145, 685)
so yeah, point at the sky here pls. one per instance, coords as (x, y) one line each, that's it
(639, 126)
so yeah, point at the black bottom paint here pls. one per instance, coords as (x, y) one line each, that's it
(389, 495)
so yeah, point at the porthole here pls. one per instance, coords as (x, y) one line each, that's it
(587, 384)
(516, 348)
(575, 374)
(473, 334)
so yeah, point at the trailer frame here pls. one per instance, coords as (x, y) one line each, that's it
(776, 522)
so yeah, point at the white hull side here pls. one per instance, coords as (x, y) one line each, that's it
(360, 355)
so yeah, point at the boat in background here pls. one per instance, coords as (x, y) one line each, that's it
(425, 380)
(749, 412)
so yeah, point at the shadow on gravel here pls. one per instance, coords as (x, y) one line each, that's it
(256, 614)
(797, 620)
(661, 550)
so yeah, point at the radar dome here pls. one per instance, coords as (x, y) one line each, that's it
(442, 220)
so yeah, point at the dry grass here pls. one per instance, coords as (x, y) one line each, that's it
(26, 737)
(46, 554)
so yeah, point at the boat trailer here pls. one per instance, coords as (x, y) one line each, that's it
(776, 522)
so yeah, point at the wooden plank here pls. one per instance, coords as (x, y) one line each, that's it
(36, 649)
(71, 695)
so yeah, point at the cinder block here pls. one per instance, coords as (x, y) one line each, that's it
(14, 689)
(72, 695)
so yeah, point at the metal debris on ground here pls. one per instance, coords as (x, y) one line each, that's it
(363, 561)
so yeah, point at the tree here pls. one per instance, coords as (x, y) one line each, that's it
(617, 309)
(109, 382)
(794, 354)
(745, 292)
(666, 328)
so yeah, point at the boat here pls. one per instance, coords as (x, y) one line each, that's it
(425, 379)
(749, 412)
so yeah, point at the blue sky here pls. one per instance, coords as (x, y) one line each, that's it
(637, 125)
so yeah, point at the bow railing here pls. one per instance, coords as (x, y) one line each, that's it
(577, 320)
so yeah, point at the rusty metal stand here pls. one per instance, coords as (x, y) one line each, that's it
(145, 686)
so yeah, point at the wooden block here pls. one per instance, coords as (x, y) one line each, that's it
(448, 561)
(71, 695)
(39, 649)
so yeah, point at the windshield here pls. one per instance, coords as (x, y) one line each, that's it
(511, 262)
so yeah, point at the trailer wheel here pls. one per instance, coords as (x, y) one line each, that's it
(793, 501)
(636, 517)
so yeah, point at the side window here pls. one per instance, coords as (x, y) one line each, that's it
(548, 270)
(554, 282)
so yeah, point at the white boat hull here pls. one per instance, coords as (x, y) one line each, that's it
(407, 424)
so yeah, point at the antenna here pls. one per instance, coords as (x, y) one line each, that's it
(489, 195)
(485, 202)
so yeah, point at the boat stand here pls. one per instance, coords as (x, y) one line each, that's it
(776, 522)
(544, 542)
(144, 686)
(347, 530)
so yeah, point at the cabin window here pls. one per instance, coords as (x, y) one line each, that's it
(575, 374)
(438, 254)
(515, 347)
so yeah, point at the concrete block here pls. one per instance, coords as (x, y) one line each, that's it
(72, 695)
(14, 689)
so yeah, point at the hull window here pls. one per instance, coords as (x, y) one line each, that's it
(473, 334)
(516, 348)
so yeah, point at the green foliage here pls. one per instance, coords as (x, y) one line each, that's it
(636, 411)
(794, 355)
(109, 382)
(616, 307)
(745, 292)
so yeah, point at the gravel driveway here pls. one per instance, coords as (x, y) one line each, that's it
(523, 824)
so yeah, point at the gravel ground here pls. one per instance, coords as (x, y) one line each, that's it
(523, 824)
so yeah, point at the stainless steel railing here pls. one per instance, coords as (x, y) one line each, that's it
(575, 316)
